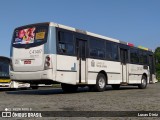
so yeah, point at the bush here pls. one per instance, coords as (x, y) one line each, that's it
(157, 57)
(158, 75)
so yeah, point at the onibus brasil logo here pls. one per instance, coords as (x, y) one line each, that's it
(19, 113)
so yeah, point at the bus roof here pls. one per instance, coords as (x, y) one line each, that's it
(97, 35)
(84, 32)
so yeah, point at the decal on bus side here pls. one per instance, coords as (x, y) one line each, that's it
(92, 63)
(98, 64)
(101, 65)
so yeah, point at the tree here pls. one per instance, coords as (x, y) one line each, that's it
(157, 57)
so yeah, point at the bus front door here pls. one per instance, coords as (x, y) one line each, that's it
(81, 60)
(151, 67)
(124, 58)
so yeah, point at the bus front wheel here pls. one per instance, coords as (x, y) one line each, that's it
(67, 88)
(143, 84)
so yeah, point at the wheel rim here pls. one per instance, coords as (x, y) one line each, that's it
(144, 83)
(101, 82)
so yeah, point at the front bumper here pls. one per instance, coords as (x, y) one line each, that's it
(5, 85)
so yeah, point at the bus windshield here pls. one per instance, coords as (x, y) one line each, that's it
(31, 35)
(4, 69)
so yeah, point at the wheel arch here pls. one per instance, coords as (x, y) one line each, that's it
(144, 74)
(105, 74)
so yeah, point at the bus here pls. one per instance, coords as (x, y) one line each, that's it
(49, 53)
(5, 81)
(4, 72)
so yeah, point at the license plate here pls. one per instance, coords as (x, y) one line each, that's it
(27, 62)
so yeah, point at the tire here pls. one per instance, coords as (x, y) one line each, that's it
(100, 83)
(143, 84)
(67, 88)
(115, 86)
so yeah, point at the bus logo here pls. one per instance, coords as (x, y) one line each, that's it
(6, 114)
(92, 63)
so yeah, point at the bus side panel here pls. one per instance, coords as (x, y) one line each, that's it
(66, 69)
(136, 72)
(111, 68)
(92, 77)
(114, 78)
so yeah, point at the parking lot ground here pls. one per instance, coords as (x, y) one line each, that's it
(127, 98)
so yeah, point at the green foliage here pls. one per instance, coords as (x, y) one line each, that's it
(158, 75)
(157, 57)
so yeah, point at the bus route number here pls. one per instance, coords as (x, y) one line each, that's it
(35, 51)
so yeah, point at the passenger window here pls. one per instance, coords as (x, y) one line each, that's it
(97, 43)
(111, 51)
(101, 54)
(93, 53)
(97, 48)
(115, 52)
(70, 48)
(65, 43)
(134, 56)
(62, 48)
(66, 37)
(142, 57)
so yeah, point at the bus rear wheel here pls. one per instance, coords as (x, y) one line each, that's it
(100, 83)
(67, 88)
(143, 84)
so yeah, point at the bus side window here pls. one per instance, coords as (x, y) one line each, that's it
(134, 56)
(111, 51)
(115, 52)
(101, 53)
(143, 58)
(97, 48)
(93, 53)
(108, 51)
(70, 48)
(62, 48)
(65, 43)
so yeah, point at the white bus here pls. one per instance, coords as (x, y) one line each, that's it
(48, 53)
